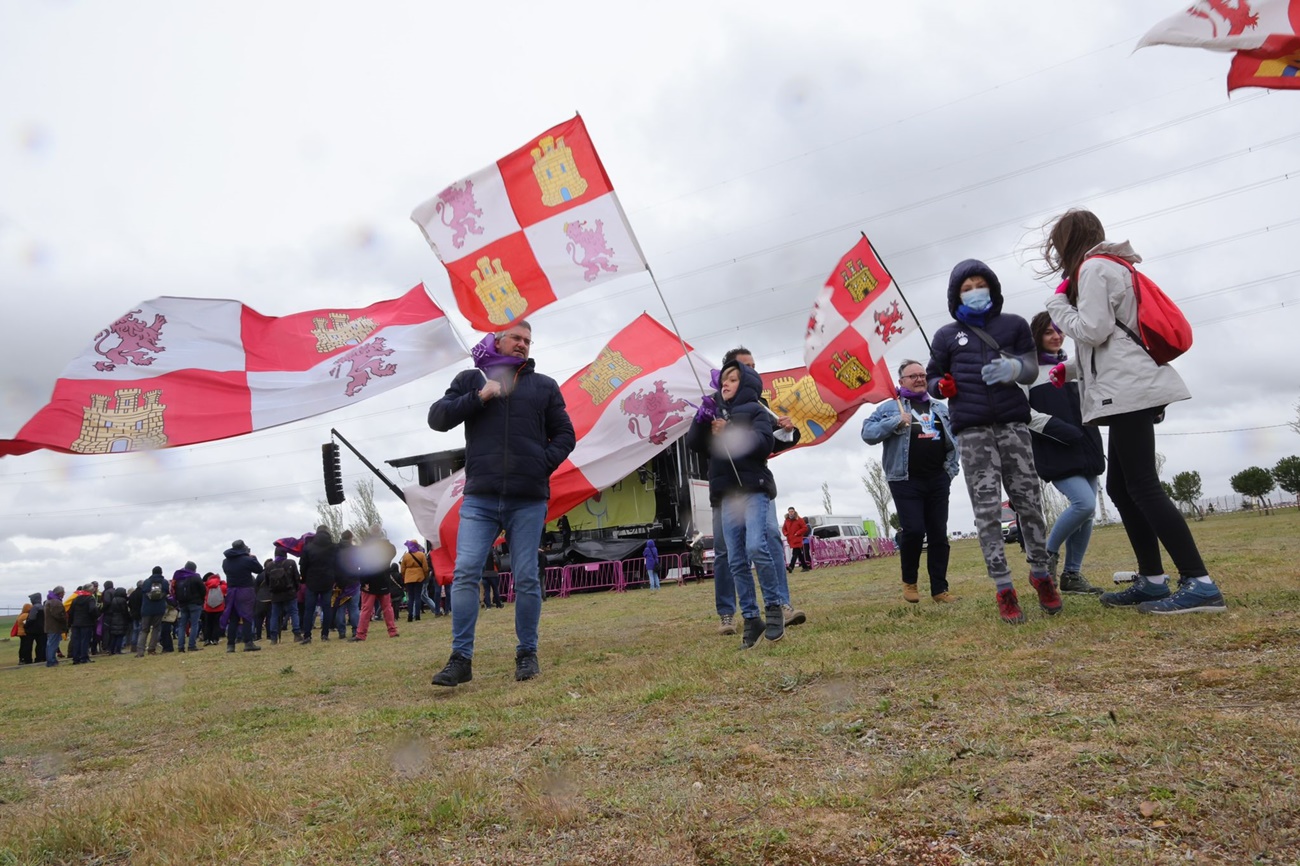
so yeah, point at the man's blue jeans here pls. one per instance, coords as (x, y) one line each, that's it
(481, 519)
(724, 588)
(745, 523)
(1074, 527)
(349, 612)
(191, 616)
(278, 609)
(52, 648)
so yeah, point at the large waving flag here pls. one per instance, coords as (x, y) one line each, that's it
(176, 371)
(859, 314)
(1227, 25)
(816, 411)
(635, 399)
(540, 224)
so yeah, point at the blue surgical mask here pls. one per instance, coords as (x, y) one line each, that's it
(977, 300)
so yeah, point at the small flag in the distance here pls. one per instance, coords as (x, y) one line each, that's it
(540, 224)
(858, 315)
(177, 371)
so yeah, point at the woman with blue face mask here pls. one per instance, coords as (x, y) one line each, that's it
(977, 363)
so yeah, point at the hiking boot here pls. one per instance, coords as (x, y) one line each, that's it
(792, 616)
(1141, 590)
(754, 627)
(910, 595)
(251, 647)
(230, 647)
(775, 623)
(526, 666)
(1076, 584)
(304, 640)
(1009, 606)
(1048, 598)
(728, 624)
(180, 649)
(944, 597)
(1053, 560)
(1192, 596)
(457, 671)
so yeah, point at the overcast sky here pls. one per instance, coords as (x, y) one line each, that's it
(272, 153)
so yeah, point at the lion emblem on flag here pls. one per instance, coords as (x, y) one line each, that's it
(591, 242)
(658, 407)
(887, 322)
(135, 341)
(365, 361)
(457, 208)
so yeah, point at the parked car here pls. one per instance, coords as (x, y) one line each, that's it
(1011, 531)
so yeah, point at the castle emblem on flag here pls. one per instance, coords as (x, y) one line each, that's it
(849, 370)
(595, 249)
(364, 361)
(135, 341)
(887, 322)
(498, 292)
(456, 208)
(658, 406)
(609, 371)
(802, 402)
(338, 331)
(127, 426)
(556, 172)
(858, 280)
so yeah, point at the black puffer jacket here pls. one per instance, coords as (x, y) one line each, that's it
(119, 614)
(1063, 446)
(319, 562)
(747, 442)
(957, 350)
(514, 441)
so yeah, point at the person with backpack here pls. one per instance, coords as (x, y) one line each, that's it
(240, 568)
(281, 579)
(1121, 386)
(214, 604)
(977, 363)
(189, 591)
(153, 604)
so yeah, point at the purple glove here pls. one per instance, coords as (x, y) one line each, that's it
(708, 410)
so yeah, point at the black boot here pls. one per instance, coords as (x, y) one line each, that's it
(458, 670)
(753, 631)
(775, 623)
(251, 647)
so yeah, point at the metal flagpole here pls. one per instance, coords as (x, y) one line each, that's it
(900, 288)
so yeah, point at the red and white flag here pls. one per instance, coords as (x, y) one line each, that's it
(540, 224)
(1276, 66)
(633, 401)
(816, 411)
(858, 315)
(176, 371)
(1227, 25)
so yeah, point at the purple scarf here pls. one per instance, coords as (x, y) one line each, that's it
(915, 396)
(1052, 358)
(486, 355)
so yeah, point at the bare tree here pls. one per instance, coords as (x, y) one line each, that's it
(826, 497)
(1160, 463)
(878, 489)
(364, 512)
(331, 517)
(1053, 503)
(1295, 425)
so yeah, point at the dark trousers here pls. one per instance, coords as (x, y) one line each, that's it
(491, 590)
(212, 625)
(798, 554)
(79, 643)
(413, 593)
(923, 514)
(1150, 518)
(25, 645)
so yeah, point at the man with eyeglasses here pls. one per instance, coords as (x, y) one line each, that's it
(920, 462)
(517, 432)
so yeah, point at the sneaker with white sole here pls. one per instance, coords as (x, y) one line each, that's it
(1193, 596)
(1142, 590)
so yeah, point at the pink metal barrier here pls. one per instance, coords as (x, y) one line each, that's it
(551, 581)
(592, 575)
(839, 551)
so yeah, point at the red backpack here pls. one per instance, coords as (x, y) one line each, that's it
(1163, 331)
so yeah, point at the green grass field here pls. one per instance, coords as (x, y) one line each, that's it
(878, 733)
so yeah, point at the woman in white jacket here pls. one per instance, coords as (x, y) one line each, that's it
(1123, 388)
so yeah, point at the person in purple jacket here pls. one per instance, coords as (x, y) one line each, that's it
(977, 363)
(240, 566)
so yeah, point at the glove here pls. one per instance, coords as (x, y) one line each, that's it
(707, 411)
(1057, 375)
(1063, 287)
(1000, 371)
(947, 386)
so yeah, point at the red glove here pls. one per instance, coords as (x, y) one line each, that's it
(1063, 287)
(947, 386)
(1057, 375)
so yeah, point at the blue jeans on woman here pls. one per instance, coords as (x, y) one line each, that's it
(744, 523)
(1074, 527)
(481, 520)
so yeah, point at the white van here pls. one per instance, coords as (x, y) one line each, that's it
(836, 526)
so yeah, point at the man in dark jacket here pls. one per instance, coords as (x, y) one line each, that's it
(81, 622)
(187, 587)
(517, 433)
(152, 596)
(56, 623)
(281, 577)
(35, 627)
(319, 565)
(239, 566)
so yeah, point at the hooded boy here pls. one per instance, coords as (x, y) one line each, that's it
(977, 364)
(738, 440)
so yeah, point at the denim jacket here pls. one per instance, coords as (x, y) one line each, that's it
(882, 426)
